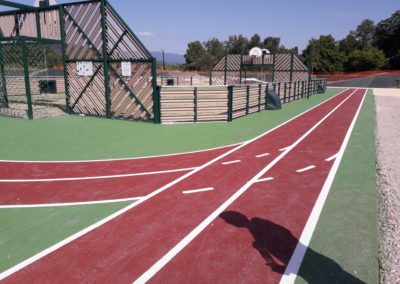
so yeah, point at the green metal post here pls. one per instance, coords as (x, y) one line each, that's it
(226, 66)
(3, 77)
(157, 104)
(195, 104)
(302, 89)
(191, 80)
(284, 92)
(230, 103)
(291, 66)
(38, 27)
(241, 68)
(16, 22)
(247, 99)
(279, 89)
(106, 66)
(259, 97)
(273, 67)
(266, 96)
(64, 54)
(295, 91)
(156, 92)
(210, 78)
(25, 60)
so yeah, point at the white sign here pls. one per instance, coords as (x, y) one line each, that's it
(126, 67)
(85, 68)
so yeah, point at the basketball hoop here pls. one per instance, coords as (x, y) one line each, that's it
(255, 52)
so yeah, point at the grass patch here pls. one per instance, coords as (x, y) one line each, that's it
(347, 230)
(26, 232)
(81, 138)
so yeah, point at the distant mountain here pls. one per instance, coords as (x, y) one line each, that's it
(171, 58)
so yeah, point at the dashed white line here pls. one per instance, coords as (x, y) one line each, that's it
(284, 149)
(95, 177)
(262, 155)
(146, 276)
(197, 190)
(293, 266)
(306, 169)
(231, 162)
(332, 158)
(265, 179)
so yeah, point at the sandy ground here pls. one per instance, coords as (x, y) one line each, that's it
(388, 168)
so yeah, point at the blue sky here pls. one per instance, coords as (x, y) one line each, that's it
(172, 24)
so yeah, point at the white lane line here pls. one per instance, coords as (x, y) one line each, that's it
(306, 169)
(286, 148)
(68, 204)
(265, 179)
(332, 158)
(96, 177)
(262, 155)
(292, 269)
(96, 225)
(124, 159)
(195, 232)
(231, 162)
(197, 190)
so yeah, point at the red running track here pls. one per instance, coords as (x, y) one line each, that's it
(53, 170)
(127, 246)
(92, 190)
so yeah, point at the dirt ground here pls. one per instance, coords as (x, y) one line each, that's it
(388, 168)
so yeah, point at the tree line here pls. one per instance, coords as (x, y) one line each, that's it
(369, 47)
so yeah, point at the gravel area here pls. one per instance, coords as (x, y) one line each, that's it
(388, 168)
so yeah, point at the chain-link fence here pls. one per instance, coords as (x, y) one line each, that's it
(32, 83)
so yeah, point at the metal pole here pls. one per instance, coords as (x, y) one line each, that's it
(106, 66)
(25, 60)
(195, 103)
(247, 99)
(156, 93)
(226, 63)
(65, 57)
(241, 68)
(230, 103)
(284, 92)
(259, 97)
(291, 66)
(3, 77)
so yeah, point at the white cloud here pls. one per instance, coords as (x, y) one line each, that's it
(146, 34)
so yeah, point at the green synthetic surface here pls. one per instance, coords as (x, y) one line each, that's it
(88, 138)
(25, 232)
(346, 235)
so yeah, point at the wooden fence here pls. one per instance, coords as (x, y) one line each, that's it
(226, 103)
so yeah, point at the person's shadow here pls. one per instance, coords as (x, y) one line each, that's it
(272, 240)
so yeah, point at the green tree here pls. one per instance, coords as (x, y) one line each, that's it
(273, 44)
(365, 33)
(370, 58)
(237, 44)
(215, 51)
(194, 53)
(255, 41)
(349, 43)
(326, 54)
(387, 35)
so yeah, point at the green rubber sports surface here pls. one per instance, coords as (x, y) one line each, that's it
(85, 138)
